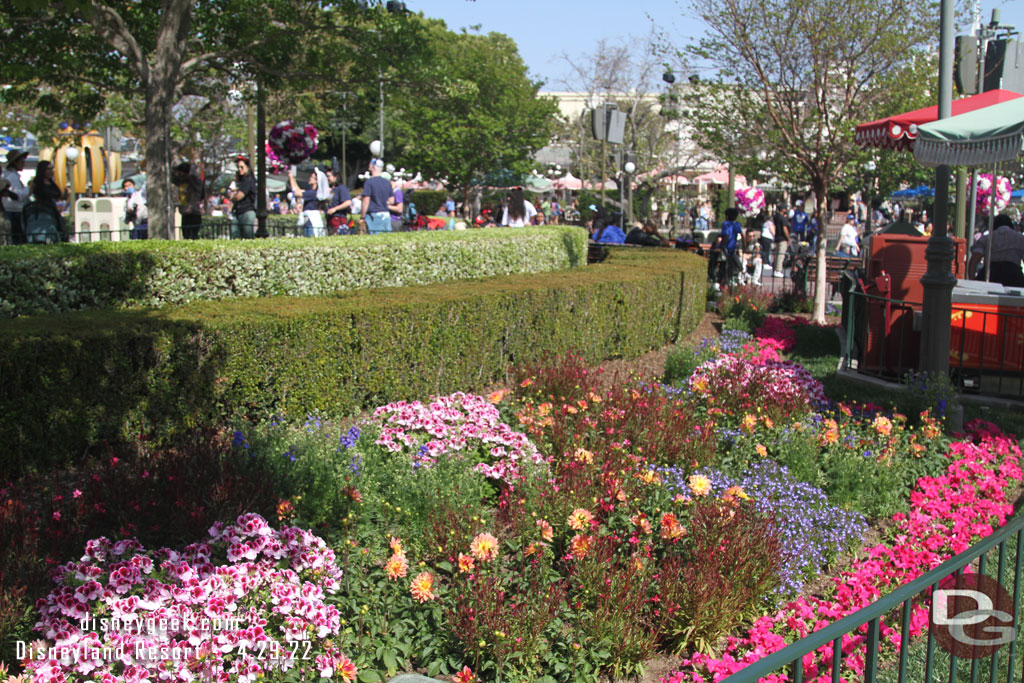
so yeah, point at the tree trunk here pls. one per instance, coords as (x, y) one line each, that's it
(821, 276)
(159, 82)
(158, 161)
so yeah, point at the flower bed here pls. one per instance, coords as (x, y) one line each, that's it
(557, 531)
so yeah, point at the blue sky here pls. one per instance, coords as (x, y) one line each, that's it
(544, 29)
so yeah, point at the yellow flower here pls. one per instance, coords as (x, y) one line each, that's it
(396, 546)
(484, 547)
(580, 519)
(583, 455)
(700, 485)
(761, 450)
(750, 422)
(422, 587)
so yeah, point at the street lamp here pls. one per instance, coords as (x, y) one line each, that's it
(71, 154)
(377, 148)
(869, 170)
(629, 167)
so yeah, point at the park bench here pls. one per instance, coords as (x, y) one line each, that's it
(834, 268)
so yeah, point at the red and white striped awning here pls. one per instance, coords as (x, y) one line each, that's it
(900, 131)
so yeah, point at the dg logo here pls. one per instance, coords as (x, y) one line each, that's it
(972, 616)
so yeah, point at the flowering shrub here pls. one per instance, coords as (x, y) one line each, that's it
(732, 562)
(460, 424)
(248, 603)
(951, 511)
(780, 330)
(778, 389)
(811, 531)
(745, 306)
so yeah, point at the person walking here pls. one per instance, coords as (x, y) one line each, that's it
(781, 241)
(190, 198)
(15, 196)
(243, 197)
(135, 212)
(377, 198)
(340, 205)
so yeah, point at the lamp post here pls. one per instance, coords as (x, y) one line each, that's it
(71, 154)
(869, 180)
(629, 168)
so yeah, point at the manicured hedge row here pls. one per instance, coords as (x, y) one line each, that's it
(70, 277)
(68, 381)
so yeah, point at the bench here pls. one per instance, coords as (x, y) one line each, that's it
(834, 268)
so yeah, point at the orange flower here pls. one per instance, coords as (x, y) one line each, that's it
(466, 564)
(484, 547)
(396, 567)
(640, 520)
(580, 519)
(761, 450)
(465, 676)
(580, 546)
(671, 529)
(285, 511)
(344, 667)
(882, 425)
(530, 550)
(526, 382)
(396, 546)
(422, 587)
(546, 532)
(750, 422)
(497, 396)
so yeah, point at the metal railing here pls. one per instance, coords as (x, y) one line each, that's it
(907, 667)
(986, 356)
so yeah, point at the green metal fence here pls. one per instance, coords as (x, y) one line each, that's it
(920, 660)
(883, 339)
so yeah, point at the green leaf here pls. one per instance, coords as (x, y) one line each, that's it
(370, 676)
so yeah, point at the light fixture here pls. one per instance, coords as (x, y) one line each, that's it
(71, 153)
(376, 148)
(629, 167)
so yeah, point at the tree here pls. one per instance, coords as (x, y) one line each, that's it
(480, 113)
(628, 73)
(795, 77)
(162, 51)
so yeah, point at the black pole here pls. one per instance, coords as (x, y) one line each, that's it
(261, 166)
(939, 281)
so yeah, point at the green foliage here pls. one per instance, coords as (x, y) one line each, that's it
(96, 375)
(480, 113)
(723, 577)
(51, 279)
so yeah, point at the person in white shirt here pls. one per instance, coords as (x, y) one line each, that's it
(16, 195)
(848, 236)
(135, 211)
(519, 212)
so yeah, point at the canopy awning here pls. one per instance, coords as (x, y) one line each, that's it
(569, 182)
(978, 138)
(900, 131)
(720, 176)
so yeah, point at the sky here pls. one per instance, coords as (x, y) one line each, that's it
(546, 29)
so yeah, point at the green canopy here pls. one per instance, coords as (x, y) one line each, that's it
(504, 178)
(979, 138)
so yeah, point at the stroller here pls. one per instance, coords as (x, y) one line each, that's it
(798, 260)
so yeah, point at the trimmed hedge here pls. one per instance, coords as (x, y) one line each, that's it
(69, 381)
(71, 277)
